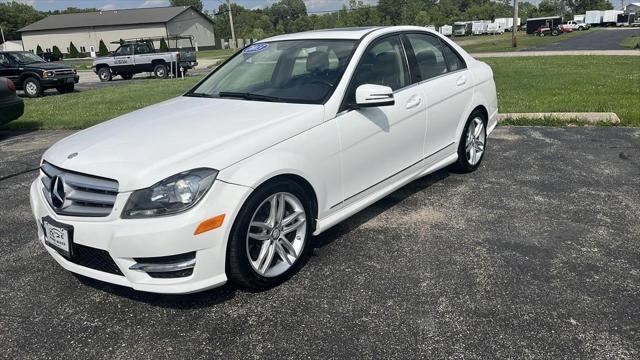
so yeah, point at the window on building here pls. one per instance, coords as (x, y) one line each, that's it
(83, 49)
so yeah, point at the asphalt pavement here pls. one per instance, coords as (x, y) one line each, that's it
(535, 255)
(595, 39)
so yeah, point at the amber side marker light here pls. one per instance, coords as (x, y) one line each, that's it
(209, 224)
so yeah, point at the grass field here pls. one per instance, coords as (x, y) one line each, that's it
(501, 43)
(525, 84)
(568, 84)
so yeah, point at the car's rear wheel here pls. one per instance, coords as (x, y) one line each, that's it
(32, 87)
(270, 238)
(104, 74)
(473, 143)
(160, 71)
(66, 88)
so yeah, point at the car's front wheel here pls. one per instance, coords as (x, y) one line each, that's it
(104, 74)
(271, 237)
(473, 143)
(32, 87)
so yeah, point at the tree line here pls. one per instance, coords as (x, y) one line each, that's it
(286, 16)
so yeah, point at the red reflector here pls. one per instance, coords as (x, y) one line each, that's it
(11, 86)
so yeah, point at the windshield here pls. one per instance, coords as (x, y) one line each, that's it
(300, 71)
(26, 58)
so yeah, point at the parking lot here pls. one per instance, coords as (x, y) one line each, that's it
(595, 39)
(534, 255)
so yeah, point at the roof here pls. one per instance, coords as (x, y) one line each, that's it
(108, 18)
(545, 17)
(353, 33)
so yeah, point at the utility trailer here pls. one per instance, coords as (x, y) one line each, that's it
(446, 30)
(610, 17)
(579, 18)
(495, 28)
(626, 19)
(478, 27)
(593, 17)
(551, 22)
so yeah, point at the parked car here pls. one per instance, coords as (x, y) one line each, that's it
(34, 75)
(11, 106)
(565, 28)
(578, 25)
(286, 139)
(139, 55)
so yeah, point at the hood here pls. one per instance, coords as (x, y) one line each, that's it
(149, 145)
(47, 66)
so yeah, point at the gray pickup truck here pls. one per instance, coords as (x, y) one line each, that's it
(139, 55)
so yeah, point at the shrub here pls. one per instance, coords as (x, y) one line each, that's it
(73, 51)
(102, 49)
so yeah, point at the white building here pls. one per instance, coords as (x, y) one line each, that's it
(633, 7)
(11, 45)
(86, 30)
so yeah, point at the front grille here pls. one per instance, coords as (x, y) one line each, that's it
(96, 259)
(63, 72)
(84, 195)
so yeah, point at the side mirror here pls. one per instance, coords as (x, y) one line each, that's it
(370, 95)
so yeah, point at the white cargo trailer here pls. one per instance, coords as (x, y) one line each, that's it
(593, 17)
(495, 28)
(478, 27)
(431, 27)
(446, 30)
(578, 17)
(610, 17)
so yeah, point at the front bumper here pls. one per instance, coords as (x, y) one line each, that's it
(126, 240)
(59, 81)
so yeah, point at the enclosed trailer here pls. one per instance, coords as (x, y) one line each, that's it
(478, 27)
(610, 17)
(578, 17)
(550, 21)
(431, 27)
(446, 30)
(625, 19)
(461, 28)
(502, 22)
(495, 28)
(593, 17)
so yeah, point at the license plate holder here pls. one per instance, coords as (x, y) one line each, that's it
(58, 236)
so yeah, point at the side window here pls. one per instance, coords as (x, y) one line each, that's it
(143, 49)
(124, 50)
(454, 61)
(431, 61)
(4, 60)
(382, 64)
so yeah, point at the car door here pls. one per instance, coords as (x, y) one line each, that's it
(379, 142)
(446, 83)
(9, 69)
(123, 59)
(142, 57)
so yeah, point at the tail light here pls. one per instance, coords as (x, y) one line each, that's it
(11, 86)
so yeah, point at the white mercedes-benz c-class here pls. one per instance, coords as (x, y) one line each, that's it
(287, 138)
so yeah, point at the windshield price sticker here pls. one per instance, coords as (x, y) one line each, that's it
(256, 48)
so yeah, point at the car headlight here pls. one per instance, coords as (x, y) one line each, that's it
(46, 74)
(170, 196)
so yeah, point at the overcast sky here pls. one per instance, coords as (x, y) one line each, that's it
(312, 5)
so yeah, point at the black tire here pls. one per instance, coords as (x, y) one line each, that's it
(126, 76)
(31, 87)
(238, 267)
(104, 73)
(580, 28)
(463, 165)
(555, 32)
(66, 88)
(160, 71)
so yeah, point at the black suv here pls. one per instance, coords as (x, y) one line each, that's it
(34, 75)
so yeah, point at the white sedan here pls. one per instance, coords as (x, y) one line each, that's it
(287, 138)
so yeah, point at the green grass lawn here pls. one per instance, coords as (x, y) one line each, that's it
(569, 84)
(525, 84)
(83, 109)
(219, 53)
(501, 43)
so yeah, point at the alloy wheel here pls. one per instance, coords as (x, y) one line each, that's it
(276, 234)
(476, 137)
(31, 88)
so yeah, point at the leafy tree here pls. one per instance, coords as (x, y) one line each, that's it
(102, 49)
(56, 51)
(39, 50)
(581, 6)
(163, 45)
(73, 51)
(196, 4)
(16, 15)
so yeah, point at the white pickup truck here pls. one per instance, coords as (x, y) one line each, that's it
(578, 25)
(138, 56)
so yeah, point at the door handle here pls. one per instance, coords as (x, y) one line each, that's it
(414, 101)
(461, 80)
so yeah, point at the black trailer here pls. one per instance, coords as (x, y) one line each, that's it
(551, 22)
(626, 19)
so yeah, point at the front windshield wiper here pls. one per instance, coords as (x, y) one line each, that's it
(249, 96)
(195, 94)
